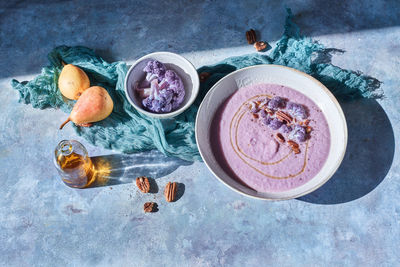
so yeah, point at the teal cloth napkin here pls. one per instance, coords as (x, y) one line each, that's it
(129, 131)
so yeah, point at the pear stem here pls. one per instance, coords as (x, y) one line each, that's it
(65, 122)
(63, 63)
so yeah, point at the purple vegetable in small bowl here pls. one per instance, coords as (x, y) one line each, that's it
(161, 85)
(166, 92)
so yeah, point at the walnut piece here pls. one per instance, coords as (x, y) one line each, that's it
(170, 191)
(143, 184)
(149, 207)
(251, 36)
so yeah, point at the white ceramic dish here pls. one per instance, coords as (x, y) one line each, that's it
(289, 77)
(173, 61)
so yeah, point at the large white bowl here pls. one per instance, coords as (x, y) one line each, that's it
(289, 77)
(172, 61)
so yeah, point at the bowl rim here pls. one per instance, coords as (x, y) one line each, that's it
(195, 91)
(329, 94)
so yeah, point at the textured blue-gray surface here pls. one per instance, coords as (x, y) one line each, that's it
(353, 220)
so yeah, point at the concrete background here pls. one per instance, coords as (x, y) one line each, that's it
(353, 220)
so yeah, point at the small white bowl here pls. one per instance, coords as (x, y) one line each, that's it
(289, 77)
(172, 61)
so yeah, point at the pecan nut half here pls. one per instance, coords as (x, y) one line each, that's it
(170, 191)
(251, 36)
(143, 184)
(282, 116)
(270, 112)
(280, 137)
(296, 150)
(150, 207)
(260, 46)
(292, 144)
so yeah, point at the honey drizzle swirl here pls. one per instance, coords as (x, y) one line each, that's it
(236, 126)
(245, 161)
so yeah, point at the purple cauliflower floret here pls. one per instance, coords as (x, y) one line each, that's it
(276, 102)
(267, 120)
(300, 133)
(143, 88)
(263, 113)
(264, 102)
(154, 69)
(159, 100)
(254, 110)
(297, 110)
(174, 83)
(165, 95)
(275, 124)
(301, 137)
(173, 79)
(253, 107)
(298, 128)
(285, 128)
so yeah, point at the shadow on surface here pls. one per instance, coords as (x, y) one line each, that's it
(180, 191)
(123, 168)
(369, 155)
(126, 32)
(320, 17)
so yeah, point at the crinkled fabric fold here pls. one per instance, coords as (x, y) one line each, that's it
(128, 131)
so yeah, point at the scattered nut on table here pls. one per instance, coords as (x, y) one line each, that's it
(143, 184)
(251, 36)
(260, 45)
(170, 191)
(150, 207)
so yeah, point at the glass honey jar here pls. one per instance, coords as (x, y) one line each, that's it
(74, 164)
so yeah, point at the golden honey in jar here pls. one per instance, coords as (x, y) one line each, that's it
(73, 164)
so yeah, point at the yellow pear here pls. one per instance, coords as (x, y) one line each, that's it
(72, 82)
(95, 104)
